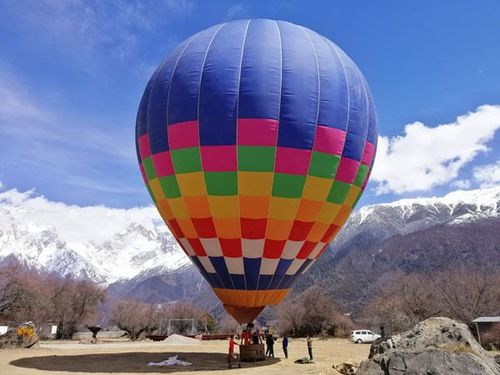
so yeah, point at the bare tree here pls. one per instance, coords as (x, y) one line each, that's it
(227, 325)
(134, 317)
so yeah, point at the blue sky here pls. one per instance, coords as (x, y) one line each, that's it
(72, 74)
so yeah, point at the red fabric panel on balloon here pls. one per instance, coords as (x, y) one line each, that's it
(368, 154)
(329, 140)
(231, 247)
(273, 248)
(219, 158)
(331, 231)
(163, 164)
(254, 229)
(300, 230)
(292, 160)
(183, 134)
(204, 227)
(257, 132)
(347, 170)
(175, 228)
(144, 149)
(197, 246)
(306, 249)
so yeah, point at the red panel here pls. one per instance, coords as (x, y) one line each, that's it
(183, 135)
(300, 230)
(332, 231)
(144, 149)
(257, 132)
(329, 140)
(175, 228)
(306, 249)
(197, 246)
(254, 229)
(219, 158)
(273, 248)
(163, 164)
(204, 227)
(292, 160)
(231, 247)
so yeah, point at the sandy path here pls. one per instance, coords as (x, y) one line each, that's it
(208, 357)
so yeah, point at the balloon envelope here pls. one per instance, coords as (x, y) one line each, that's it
(255, 139)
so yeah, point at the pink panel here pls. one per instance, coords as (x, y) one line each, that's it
(292, 160)
(163, 164)
(257, 132)
(183, 134)
(219, 158)
(329, 140)
(368, 154)
(143, 173)
(347, 170)
(144, 149)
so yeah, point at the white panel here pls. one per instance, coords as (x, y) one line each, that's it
(207, 264)
(235, 265)
(268, 266)
(316, 250)
(187, 246)
(291, 249)
(212, 247)
(252, 248)
(294, 266)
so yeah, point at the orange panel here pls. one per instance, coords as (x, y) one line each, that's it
(227, 227)
(197, 206)
(317, 232)
(309, 210)
(178, 208)
(224, 206)
(342, 216)
(164, 209)
(187, 227)
(278, 229)
(253, 207)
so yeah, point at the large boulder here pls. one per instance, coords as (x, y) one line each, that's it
(433, 347)
(23, 336)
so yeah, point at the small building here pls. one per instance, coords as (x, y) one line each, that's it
(484, 324)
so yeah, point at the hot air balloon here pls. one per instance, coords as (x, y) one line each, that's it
(255, 139)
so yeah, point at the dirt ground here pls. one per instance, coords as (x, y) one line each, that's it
(207, 357)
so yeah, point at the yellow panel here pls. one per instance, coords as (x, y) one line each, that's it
(224, 206)
(317, 232)
(254, 207)
(309, 210)
(283, 208)
(155, 187)
(191, 184)
(197, 206)
(317, 188)
(255, 183)
(187, 228)
(278, 229)
(329, 212)
(227, 227)
(178, 208)
(352, 195)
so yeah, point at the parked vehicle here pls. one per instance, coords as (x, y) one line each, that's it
(362, 336)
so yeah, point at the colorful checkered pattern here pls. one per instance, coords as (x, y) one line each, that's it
(255, 140)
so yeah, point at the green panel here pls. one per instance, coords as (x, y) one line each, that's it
(256, 158)
(149, 168)
(170, 187)
(186, 160)
(288, 185)
(323, 165)
(361, 175)
(221, 183)
(338, 192)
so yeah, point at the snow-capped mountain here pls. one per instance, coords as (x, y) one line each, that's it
(103, 244)
(410, 215)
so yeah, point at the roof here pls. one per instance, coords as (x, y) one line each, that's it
(487, 319)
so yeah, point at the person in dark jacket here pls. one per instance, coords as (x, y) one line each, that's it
(284, 343)
(270, 345)
(310, 347)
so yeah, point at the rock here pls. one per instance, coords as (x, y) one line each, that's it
(347, 368)
(433, 347)
(23, 336)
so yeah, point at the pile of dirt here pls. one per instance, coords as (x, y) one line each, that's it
(435, 346)
(176, 339)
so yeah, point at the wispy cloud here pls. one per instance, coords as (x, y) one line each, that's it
(426, 157)
(487, 175)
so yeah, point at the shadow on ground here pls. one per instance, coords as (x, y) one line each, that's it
(131, 362)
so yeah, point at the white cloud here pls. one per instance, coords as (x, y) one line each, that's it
(72, 223)
(487, 175)
(425, 157)
(461, 184)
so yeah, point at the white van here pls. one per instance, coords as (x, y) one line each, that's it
(364, 335)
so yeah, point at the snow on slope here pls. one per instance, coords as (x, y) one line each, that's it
(101, 243)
